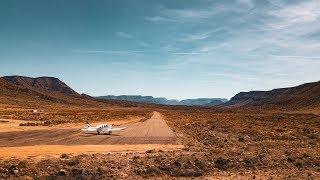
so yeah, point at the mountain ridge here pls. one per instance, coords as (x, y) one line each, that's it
(304, 95)
(41, 84)
(165, 101)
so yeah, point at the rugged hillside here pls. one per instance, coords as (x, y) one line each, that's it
(19, 91)
(305, 95)
(11, 94)
(41, 84)
(164, 101)
(7, 88)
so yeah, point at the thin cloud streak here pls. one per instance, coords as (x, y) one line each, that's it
(296, 57)
(125, 35)
(132, 37)
(112, 52)
(156, 19)
(195, 37)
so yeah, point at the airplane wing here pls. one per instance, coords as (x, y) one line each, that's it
(116, 129)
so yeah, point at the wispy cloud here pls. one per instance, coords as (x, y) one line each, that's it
(200, 14)
(189, 53)
(206, 48)
(111, 52)
(156, 19)
(270, 57)
(188, 13)
(297, 57)
(296, 14)
(239, 41)
(125, 35)
(168, 15)
(195, 37)
(132, 37)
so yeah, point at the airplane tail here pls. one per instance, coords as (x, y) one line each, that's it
(87, 125)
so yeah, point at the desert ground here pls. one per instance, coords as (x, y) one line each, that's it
(161, 142)
(140, 135)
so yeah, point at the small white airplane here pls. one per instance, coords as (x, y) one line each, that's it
(100, 129)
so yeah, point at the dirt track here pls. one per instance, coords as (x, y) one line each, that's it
(152, 131)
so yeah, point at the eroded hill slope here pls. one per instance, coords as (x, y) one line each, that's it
(305, 95)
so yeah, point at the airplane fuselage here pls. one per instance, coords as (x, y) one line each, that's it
(100, 129)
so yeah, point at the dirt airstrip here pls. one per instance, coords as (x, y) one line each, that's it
(141, 135)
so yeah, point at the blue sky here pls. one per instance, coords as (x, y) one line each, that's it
(171, 48)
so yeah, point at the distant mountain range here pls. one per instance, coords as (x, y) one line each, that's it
(30, 92)
(165, 101)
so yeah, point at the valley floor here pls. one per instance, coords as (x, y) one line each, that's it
(170, 143)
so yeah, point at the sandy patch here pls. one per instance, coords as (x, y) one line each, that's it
(12, 125)
(51, 150)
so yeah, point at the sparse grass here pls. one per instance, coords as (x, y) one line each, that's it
(242, 143)
(251, 140)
